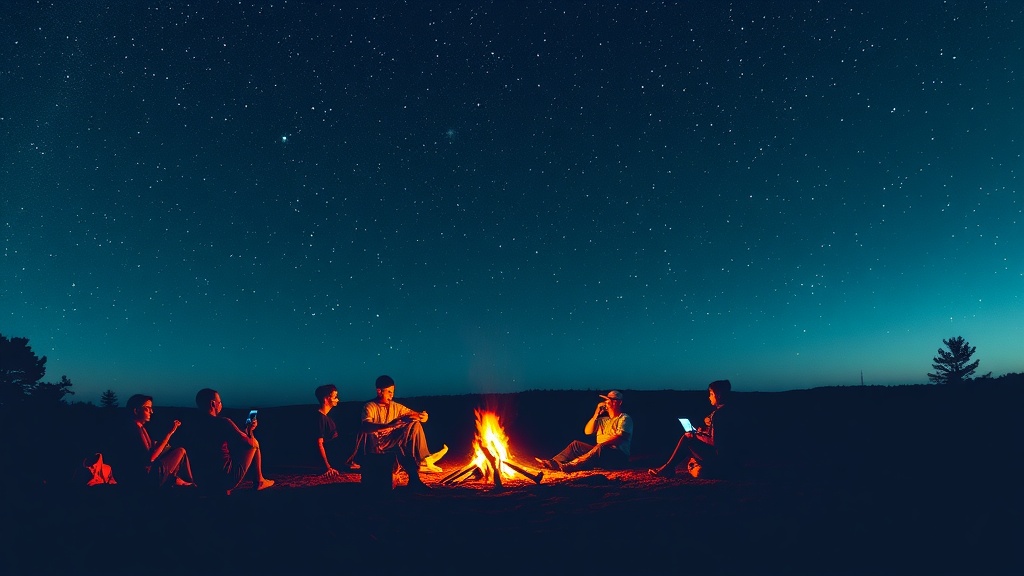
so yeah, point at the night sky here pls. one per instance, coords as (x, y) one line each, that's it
(502, 196)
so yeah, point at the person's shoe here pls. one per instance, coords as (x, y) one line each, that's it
(432, 458)
(662, 471)
(352, 465)
(264, 484)
(548, 464)
(430, 467)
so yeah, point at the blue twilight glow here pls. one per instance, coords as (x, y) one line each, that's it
(262, 197)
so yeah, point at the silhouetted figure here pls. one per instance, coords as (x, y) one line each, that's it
(388, 426)
(222, 453)
(613, 430)
(141, 462)
(327, 430)
(708, 444)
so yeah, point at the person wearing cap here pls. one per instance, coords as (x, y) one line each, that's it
(613, 430)
(705, 443)
(388, 426)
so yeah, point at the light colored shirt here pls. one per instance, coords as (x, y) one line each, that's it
(377, 413)
(608, 427)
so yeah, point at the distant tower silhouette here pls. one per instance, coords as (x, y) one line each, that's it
(861, 377)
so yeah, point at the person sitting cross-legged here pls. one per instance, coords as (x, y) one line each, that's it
(388, 426)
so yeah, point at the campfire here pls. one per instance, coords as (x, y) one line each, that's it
(492, 460)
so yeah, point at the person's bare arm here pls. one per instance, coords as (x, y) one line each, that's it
(160, 446)
(247, 436)
(591, 426)
(402, 419)
(329, 471)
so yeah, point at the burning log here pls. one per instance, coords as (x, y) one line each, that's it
(491, 447)
(495, 467)
(535, 477)
(457, 476)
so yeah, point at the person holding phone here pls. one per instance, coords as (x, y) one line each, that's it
(704, 443)
(223, 454)
(613, 430)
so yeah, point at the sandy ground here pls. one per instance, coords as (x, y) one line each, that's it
(895, 497)
(570, 523)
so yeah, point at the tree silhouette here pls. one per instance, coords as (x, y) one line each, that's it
(21, 374)
(50, 393)
(20, 369)
(954, 366)
(108, 399)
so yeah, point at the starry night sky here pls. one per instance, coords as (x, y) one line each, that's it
(502, 196)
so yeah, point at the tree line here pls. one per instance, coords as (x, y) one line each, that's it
(22, 373)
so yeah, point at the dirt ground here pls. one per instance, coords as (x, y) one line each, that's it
(893, 498)
(570, 523)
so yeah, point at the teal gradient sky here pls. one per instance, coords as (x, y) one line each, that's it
(493, 197)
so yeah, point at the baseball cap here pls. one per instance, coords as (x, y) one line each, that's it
(613, 395)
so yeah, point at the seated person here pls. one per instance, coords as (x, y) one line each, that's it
(326, 430)
(139, 461)
(221, 453)
(705, 443)
(613, 430)
(388, 426)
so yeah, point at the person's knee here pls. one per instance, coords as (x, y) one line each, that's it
(415, 430)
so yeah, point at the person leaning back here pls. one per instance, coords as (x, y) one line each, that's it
(612, 429)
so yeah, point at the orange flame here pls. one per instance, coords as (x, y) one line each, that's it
(490, 436)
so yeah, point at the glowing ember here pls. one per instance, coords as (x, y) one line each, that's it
(490, 436)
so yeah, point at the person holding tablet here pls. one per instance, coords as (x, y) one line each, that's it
(703, 443)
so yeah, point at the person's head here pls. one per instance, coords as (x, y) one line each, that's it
(327, 395)
(613, 401)
(140, 406)
(385, 389)
(208, 400)
(718, 392)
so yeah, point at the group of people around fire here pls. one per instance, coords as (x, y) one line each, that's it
(216, 455)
